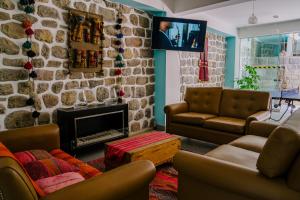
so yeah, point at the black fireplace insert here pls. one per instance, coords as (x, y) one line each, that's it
(91, 125)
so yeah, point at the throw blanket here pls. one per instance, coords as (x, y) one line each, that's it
(4, 152)
(203, 63)
(115, 151)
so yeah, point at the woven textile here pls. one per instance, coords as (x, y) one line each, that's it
(115, 151)
(85, 170)
(28, 156)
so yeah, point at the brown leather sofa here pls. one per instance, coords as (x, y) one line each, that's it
(264, 165)
(116, 184)
(215, 114)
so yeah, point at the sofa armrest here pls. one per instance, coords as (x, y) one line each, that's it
(174, 109)
(259, 116)
(38, 137)
(229, 177)
(262, 129)
(128, 182)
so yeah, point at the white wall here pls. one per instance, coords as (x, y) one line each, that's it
(172, 77)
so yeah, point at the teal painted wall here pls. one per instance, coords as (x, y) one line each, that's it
(230, 62)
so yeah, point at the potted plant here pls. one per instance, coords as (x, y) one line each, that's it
(249, 81)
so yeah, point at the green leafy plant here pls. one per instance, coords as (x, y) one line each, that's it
(250, 81)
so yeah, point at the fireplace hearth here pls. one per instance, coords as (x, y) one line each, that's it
(91, 125)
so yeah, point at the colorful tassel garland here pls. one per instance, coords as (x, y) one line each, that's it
(118, 72)
(35, 114)
(31, 54)
(28, 65)
(27, 24)
(33, 74)
(29, 32)
(27, 45)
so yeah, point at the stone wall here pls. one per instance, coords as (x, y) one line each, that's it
(57, 88)
(189, 63)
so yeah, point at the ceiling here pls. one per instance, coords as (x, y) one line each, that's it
(238, 14)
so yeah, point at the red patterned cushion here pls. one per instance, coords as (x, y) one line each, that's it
(85, 170)
(28, 156)
(54, 183)
(48, 167)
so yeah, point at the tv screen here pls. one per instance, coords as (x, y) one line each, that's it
(178, 34)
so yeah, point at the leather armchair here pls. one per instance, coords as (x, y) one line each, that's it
(129, 182)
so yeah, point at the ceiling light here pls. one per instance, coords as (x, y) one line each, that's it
(253, 19)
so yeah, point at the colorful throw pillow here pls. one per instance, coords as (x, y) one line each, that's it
(54, 183)
(28, 156)
(48, 167)
(85, 170)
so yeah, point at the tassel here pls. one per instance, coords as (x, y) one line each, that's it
(27, 45)
(120, 35)
(120, 65)
(121, 93)
(31, 1)
(118, 72)
(118, 27)
(28, 65)
(30, 102)
(33, 74)
(35, 114)
(24, 2)
(29, 32)
(27, 24)
(119, 58)
(31, 54)
(119, 20)
(121, 50)
(118, 42)
(29, 9)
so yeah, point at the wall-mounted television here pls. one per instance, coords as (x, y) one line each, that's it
(178, 34)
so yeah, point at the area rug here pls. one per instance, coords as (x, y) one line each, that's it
(164, 185)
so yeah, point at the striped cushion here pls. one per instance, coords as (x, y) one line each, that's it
(85, 170)
(48, 167)
(26, 157)
(54, 183)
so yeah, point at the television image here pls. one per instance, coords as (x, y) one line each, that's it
(178, 34)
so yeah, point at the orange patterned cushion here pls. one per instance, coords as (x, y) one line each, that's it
(85, 170)
(32, 155)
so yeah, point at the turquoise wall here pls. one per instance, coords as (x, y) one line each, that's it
(230, 62)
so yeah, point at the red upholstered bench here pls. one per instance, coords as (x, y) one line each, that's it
(159, 147)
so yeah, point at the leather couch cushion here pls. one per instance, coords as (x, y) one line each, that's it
(293, 180)
(242, 104)
(226, 124)
(250, 142)
(204, 100)
(191, 118)
(235, 155)
(279, 152)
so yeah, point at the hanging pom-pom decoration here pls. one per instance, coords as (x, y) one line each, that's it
(24, 2)
(119, 58)
(29, 9)
(27, 24)
(121, 50)
(35, 114)
(28, 65)
(30, 102)
(118, 72)
(31, 1)
(33, 74)
(31, 54)
(120, 64)
(121, 93)
(120, 35)
(119, 20)
(118, 42)
(27, 45)
(29, 32)
(118, 26)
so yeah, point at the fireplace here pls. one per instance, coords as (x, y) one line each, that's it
(91, 125)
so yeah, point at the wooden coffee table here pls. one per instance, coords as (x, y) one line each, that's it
(159, 147)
